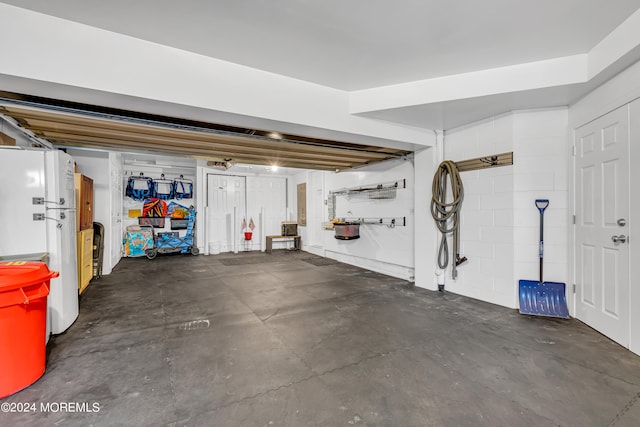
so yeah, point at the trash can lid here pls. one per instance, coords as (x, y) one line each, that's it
(16, 274)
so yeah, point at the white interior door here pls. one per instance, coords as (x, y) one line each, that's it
(269, 195)
(602, 215)
(224, 193)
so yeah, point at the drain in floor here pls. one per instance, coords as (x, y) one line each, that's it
(195, 324)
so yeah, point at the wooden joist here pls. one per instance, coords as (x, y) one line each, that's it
(70, 129)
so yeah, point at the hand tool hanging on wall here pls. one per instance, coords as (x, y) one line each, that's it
(445, 210)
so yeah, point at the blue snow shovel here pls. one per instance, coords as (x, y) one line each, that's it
(541, 298)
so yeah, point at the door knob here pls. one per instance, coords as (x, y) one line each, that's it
(619, 239)
(622, 222)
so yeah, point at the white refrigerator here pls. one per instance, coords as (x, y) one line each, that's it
(37, 215)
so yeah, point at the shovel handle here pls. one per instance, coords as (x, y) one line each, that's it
(542, 204)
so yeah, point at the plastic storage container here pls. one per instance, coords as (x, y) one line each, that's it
(347, 230)
(157, 222)
(179, 223)
(24, 287)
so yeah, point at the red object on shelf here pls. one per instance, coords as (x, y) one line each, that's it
(248, 235)
(24, 288)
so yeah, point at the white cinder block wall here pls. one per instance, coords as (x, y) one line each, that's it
(541, 153)
(486, 231)
(499, 222)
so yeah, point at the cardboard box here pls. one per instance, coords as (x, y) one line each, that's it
(289, 228)
(6, 139)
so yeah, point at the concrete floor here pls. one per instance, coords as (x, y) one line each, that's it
(290, 339)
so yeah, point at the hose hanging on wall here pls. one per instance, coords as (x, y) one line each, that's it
(445, 209)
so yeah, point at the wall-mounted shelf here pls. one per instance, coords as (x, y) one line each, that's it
(376, 191)
(390, 222)
(504, 159)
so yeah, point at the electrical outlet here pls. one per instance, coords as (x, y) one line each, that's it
(38, 217)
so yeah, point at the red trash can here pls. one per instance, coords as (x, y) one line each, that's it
(24, 287)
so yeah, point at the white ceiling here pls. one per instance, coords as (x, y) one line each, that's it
(364, 45)
(358, 44)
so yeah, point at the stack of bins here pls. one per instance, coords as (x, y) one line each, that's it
(24, 288)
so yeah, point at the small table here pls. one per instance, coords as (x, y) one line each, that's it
(296, 242)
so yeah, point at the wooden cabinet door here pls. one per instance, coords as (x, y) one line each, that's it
(84, 202)
(86, 196)
(85, 258)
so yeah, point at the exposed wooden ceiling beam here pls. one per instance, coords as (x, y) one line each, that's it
(139, 128)
(189, 154)
(72, 129)
(88, 133)
(272, 159)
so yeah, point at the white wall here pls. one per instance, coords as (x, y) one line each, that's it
(426, 233)
(266, 195)
(486, 224)
(312, 235)
(311, 241)
(154, 167)
(114, 247)
(317, 209)
(499, 221)
(622, 89)
(130, 73)
(541, 153)
(130, 204)
(95, 165)
(112, 210)
(379, 248)
(260, 182)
